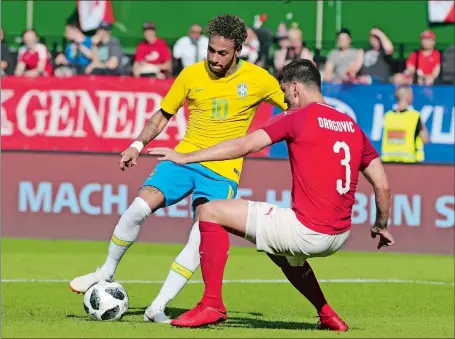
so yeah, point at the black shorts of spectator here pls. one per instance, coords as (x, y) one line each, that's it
(105, 71)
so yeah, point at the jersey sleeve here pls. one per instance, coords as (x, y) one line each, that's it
(369, 153)
(273, 93)
(20, 54)
(280, 128)
(140, 55)
(177, 94)
(437, 58)
(42, 52)
(68, 53)
(412, 60)
(87, 42)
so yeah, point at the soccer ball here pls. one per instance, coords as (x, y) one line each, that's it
(106, 301)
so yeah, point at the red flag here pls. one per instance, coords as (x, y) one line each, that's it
(93, 12)
(441, 11)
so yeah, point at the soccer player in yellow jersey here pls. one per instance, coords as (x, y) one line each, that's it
(223, 95)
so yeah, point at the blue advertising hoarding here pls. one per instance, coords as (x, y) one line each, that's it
(368, 104)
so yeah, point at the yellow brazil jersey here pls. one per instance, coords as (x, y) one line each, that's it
(220, 108)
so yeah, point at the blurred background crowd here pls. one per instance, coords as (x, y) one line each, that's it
(370, 58)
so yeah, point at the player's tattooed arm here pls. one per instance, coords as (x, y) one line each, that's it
(151, 130)
(154, 126)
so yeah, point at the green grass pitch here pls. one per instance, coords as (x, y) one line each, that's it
(409, 308)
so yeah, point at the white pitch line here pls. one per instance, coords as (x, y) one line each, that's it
(251, 281)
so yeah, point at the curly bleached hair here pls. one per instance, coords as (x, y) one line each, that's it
(228, 26)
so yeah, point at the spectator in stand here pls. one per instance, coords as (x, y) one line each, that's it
(153, 57)
(191, 48)
(33, 58)
(106, 52)
(377, 60)
(293, 48)
(78, 53)
(7, 58)
(404, 131)
(423, 66)
(265, 38)
(344, 62)
(283, 42)
(250, 48)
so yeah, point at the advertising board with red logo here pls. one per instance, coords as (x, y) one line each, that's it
(90, 114)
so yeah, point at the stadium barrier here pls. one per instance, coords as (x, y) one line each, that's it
(81, 196)
(103, 114)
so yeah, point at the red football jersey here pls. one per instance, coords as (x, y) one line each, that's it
(153, 53)
(327, 149)
(32, 58)
(426, 63)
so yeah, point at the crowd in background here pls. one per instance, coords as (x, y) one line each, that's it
(102, 54)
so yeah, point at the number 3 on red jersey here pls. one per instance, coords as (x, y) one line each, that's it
(345, 162)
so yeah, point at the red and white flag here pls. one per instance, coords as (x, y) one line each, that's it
(93, 12)
(441, 11)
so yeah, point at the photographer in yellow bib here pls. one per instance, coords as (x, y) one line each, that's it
(404, 131)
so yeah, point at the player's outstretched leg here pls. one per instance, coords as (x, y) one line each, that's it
(125, 234)
(181, 271)
(305, 281)
(214, 251)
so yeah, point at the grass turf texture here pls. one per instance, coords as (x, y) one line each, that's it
(31, 309)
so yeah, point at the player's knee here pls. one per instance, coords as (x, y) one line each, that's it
(197, 205)
(207, 212)
(152, 196)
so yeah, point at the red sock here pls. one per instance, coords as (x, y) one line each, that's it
(304, 280)
(214, 251)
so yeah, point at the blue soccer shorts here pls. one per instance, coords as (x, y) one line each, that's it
(176, 182)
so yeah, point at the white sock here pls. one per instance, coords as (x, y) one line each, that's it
(181, 270)
(125, 233)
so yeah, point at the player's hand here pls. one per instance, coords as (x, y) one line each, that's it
(385, 237)
(168, 154)
(128, 158)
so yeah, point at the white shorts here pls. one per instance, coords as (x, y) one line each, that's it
(277, 231)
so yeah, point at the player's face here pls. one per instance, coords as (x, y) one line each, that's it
(221, 54)
(291, 94)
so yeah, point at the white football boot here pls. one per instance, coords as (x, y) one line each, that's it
(82, 284)
(156, 315)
